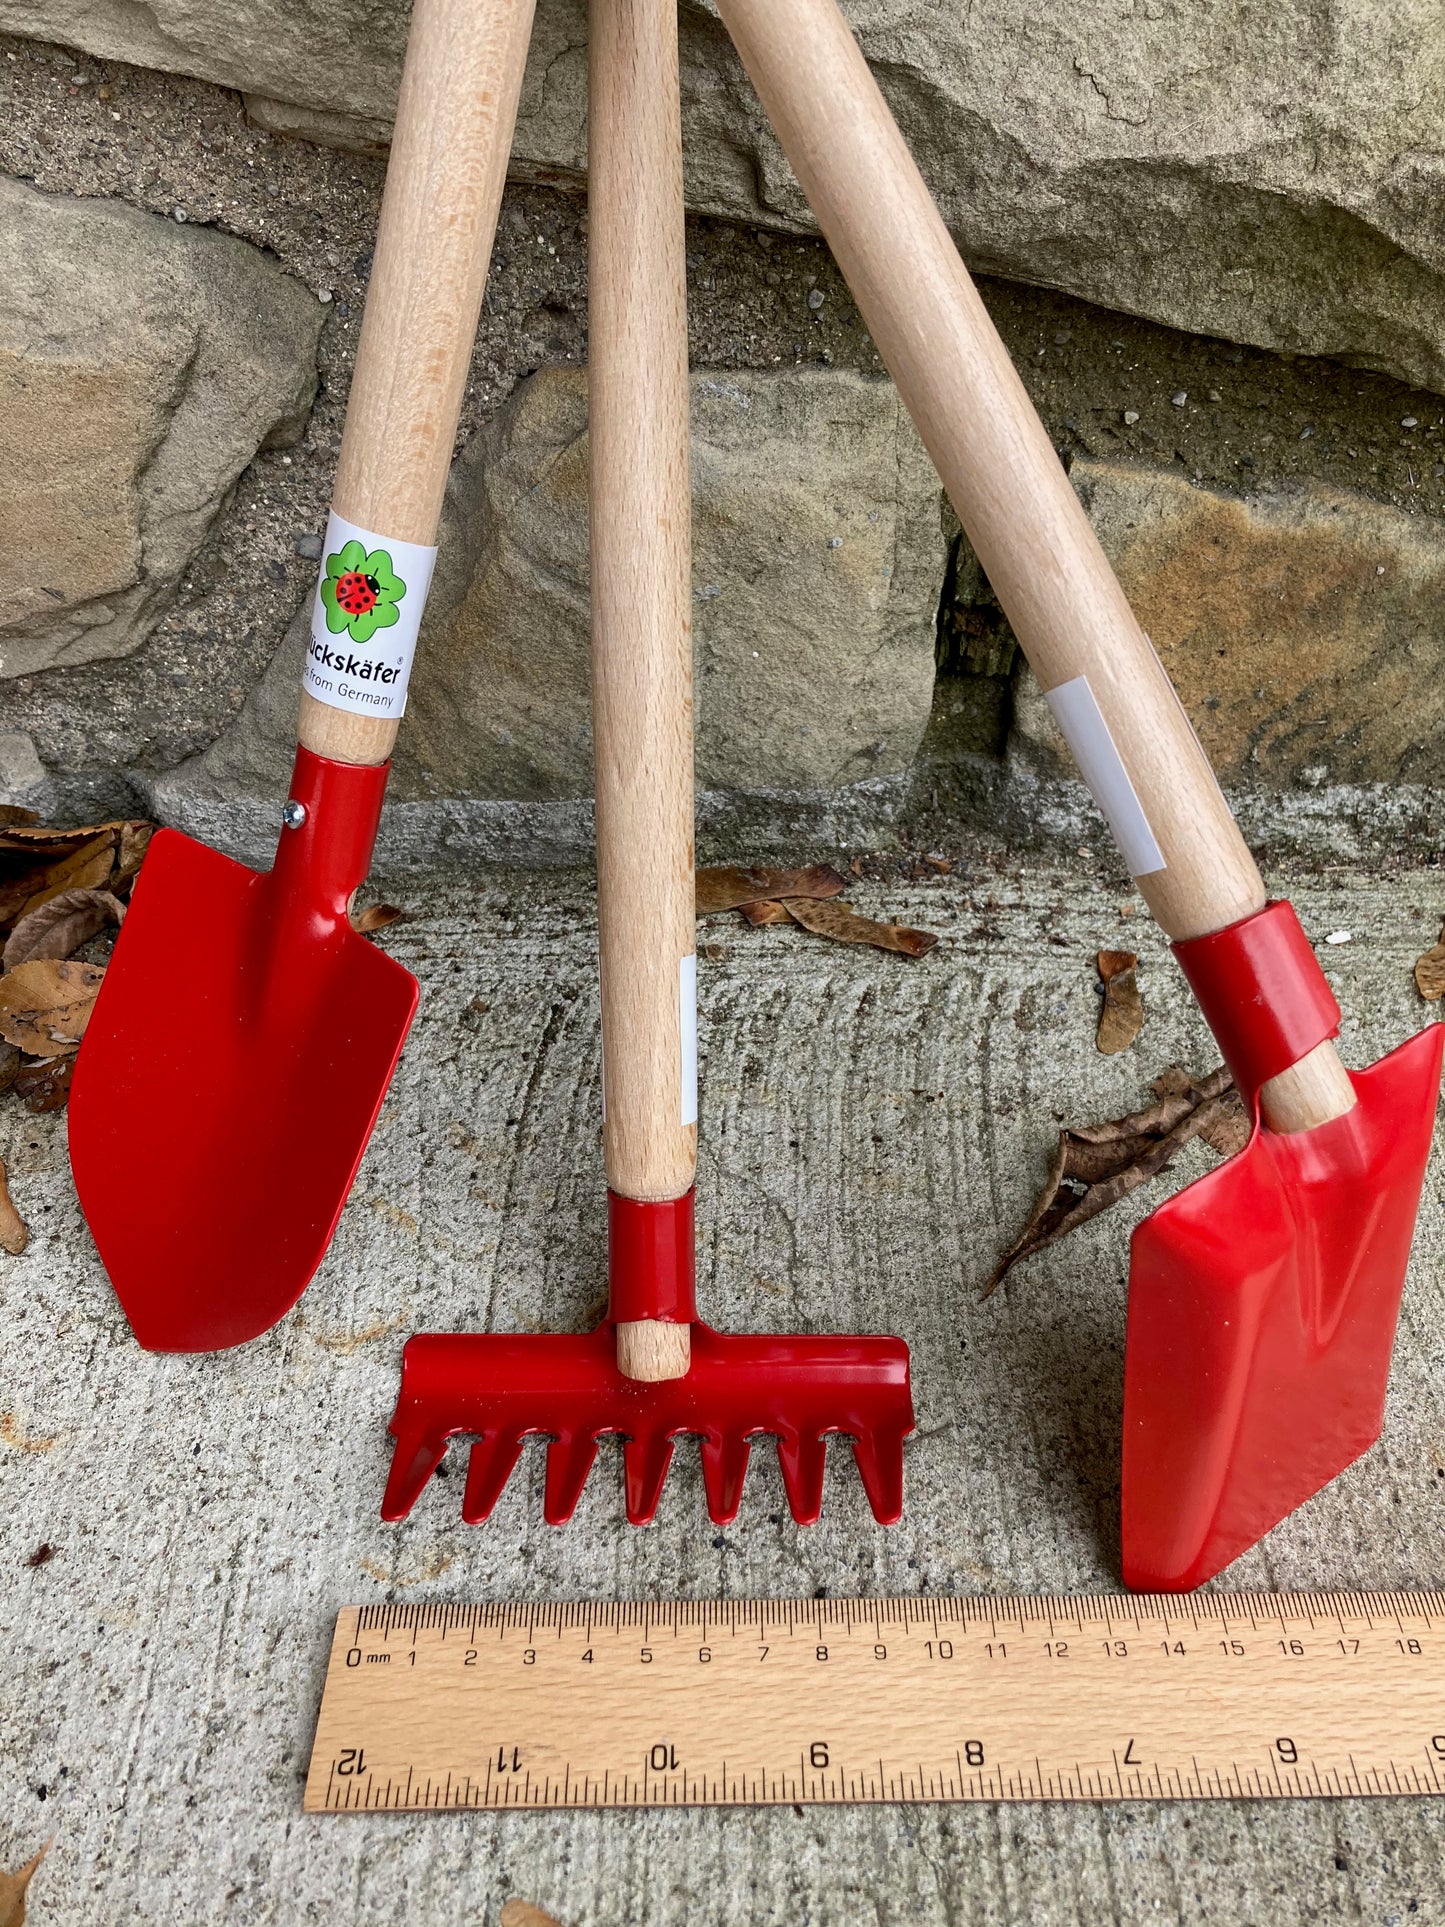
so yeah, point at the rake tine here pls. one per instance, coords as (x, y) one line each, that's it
(803, 1459)
(569, 1460)
(416, 1457)
(645, 1460)
(880, 1466)
(724, 1467)
(491, 1465)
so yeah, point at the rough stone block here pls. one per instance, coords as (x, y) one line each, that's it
(1301, 626)
(818, 556)
(1268, 174)
(142, 364)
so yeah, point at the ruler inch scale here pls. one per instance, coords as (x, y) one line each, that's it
(1203, 1696)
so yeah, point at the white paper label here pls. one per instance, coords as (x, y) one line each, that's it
(364, 621)
(687, 1024)
(1078, 715)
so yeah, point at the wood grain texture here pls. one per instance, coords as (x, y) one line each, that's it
(455, 118)
(641, 588)
(650, 1350)
(659, 1702)
(1042, 557)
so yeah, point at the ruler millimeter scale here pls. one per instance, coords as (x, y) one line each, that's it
(832, 1701)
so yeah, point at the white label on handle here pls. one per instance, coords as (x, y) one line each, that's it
(1077, 713)
(687, 1024)
(364, 622)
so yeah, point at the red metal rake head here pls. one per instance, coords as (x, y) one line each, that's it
(502, 1389)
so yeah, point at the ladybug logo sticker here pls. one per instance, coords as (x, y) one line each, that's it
(360, 591)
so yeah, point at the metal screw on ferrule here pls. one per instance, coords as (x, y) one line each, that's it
(293, 814)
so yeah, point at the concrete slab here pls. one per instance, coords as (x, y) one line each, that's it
(872, 1131)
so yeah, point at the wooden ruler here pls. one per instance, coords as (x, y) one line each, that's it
(760, 1702)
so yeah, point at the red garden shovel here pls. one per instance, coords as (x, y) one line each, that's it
(651, 1372)
(1262, 1299)
(245, 1035)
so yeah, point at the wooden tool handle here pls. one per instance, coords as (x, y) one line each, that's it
(1032, 536)
(454, 123)
(642, 619)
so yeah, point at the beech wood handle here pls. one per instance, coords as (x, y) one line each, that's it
(641, 588)
(641, 563)
(454, 123)
(1032, 536)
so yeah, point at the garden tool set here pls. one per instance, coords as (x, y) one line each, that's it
(1263, 1298)
(651, 1371)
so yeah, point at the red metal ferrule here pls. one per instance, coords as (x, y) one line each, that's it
(324, 851)
(1262, 992)
(650, 1261)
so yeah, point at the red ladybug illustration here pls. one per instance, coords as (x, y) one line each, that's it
(356, 593)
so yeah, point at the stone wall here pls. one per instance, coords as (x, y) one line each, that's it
(1211, 244)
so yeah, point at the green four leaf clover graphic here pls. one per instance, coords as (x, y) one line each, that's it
(360, 592)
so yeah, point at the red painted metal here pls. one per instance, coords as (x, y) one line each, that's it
(233, 1069)
(650, 1261)
(504, 1388)
(1263, 1298)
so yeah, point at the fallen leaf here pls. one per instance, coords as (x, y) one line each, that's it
(135, 839)
(1095, 1165)
(9, 1065)
(13, 1886)
(730, 886)
(45, 1006)
(84, 869)
(764, 912)
(1122, 1017)
(44, 1086)
(1430, 972)
(58, 928)
(844, 924)
(520, 1913)
(376, 916)
(44, 836)
(18, 887)
(13, 813)
(42, 1555)
(14, 1232)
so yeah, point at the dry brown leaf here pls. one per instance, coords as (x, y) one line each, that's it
(45, 1006)
(520, 1913)
(44, 1085)
(18, 886)
(135, 839)
(376, 916)
(9, 1065)
(45, 839)
(1430, 972)
(13, 813)
(844, 924)
(13, 1886)
(14, 1232)
(764, 912)
(729, 886)
(58, 928)
(1122, 1017)
(84, 869)
(1095, 1165)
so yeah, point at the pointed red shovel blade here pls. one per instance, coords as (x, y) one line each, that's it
(233, 1068)
(1263, 1301)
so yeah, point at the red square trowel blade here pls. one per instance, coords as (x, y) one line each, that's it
(230, 1077)
(1263, 1301)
